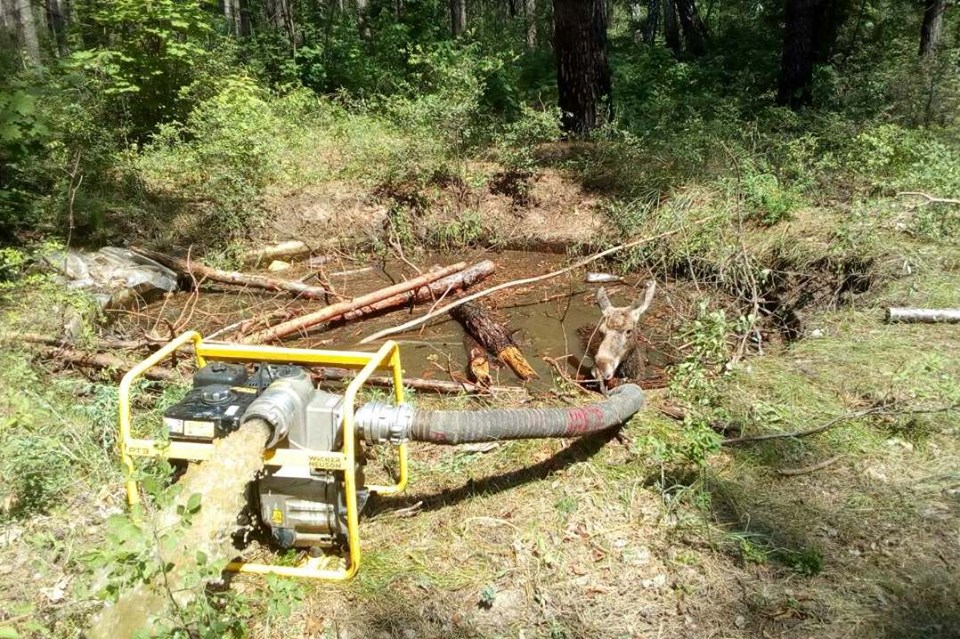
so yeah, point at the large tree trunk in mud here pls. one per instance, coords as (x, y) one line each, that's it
(932, 26)
(198, 271)
(343, 309)
(494, 336)
(583, 73)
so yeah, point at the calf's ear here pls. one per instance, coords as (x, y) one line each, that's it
(639, 307)
(602, 300)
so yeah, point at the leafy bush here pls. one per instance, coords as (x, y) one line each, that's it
(230, 148)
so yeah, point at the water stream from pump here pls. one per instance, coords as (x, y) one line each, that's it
(221, 482)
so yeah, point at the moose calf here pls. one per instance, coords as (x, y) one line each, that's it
(614, 344)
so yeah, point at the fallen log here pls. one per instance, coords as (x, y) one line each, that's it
(923, 315)
(266, 254)
(339, 309)
(494, 336)
(428, 293)
(103, 361)
(199, 271)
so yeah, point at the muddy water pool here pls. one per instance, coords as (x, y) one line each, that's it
(549, 318)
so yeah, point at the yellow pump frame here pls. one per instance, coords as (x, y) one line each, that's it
(387, 357)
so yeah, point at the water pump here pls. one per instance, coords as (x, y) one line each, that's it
(312, 489)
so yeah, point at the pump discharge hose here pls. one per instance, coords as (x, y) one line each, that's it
(381, 422)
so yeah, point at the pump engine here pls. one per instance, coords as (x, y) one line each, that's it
(299, 506)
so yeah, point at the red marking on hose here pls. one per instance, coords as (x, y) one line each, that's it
(583, 419)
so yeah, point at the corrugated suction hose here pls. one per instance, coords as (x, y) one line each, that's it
(467, 426)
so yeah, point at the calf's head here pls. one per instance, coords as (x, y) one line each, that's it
(618, 326)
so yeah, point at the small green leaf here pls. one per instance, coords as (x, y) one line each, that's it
(193, 503)
(8, 632)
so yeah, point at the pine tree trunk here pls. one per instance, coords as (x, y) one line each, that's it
(932, 26)
(694, 31)
(652, 26)
(803, 45)
(671, 27)
(530, 8)
(458, 17)
(583, 73)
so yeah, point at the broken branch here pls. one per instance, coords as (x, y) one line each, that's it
(923, 315)
(197, 271)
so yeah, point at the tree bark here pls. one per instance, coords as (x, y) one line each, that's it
(478, 364)
(56, 15)
(652, 25)
(803, 44)
(335, 311)
(26, 26)
(694, 31)
(530, 8)
(671, 27)
(494, 336)
(198, 271)
(932, 26)
(583, 73)
(458, 17)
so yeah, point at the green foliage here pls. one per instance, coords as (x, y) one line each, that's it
(143, 54)
(228, 150)
(707, 350)
(766, 198)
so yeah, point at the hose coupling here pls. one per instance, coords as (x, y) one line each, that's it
(282, 405)
(384, 423)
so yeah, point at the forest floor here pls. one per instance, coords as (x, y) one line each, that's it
(648, 531)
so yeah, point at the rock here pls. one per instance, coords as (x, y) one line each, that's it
(817, 332)
(740, 621)
(278, 265)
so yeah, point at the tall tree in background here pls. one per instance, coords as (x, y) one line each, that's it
(583, 73)
(458, 17)
(932, 26)
(808, 31)
(694, 31)
(652, 25)
(530, 8)
(16, 17)
(671, 28)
